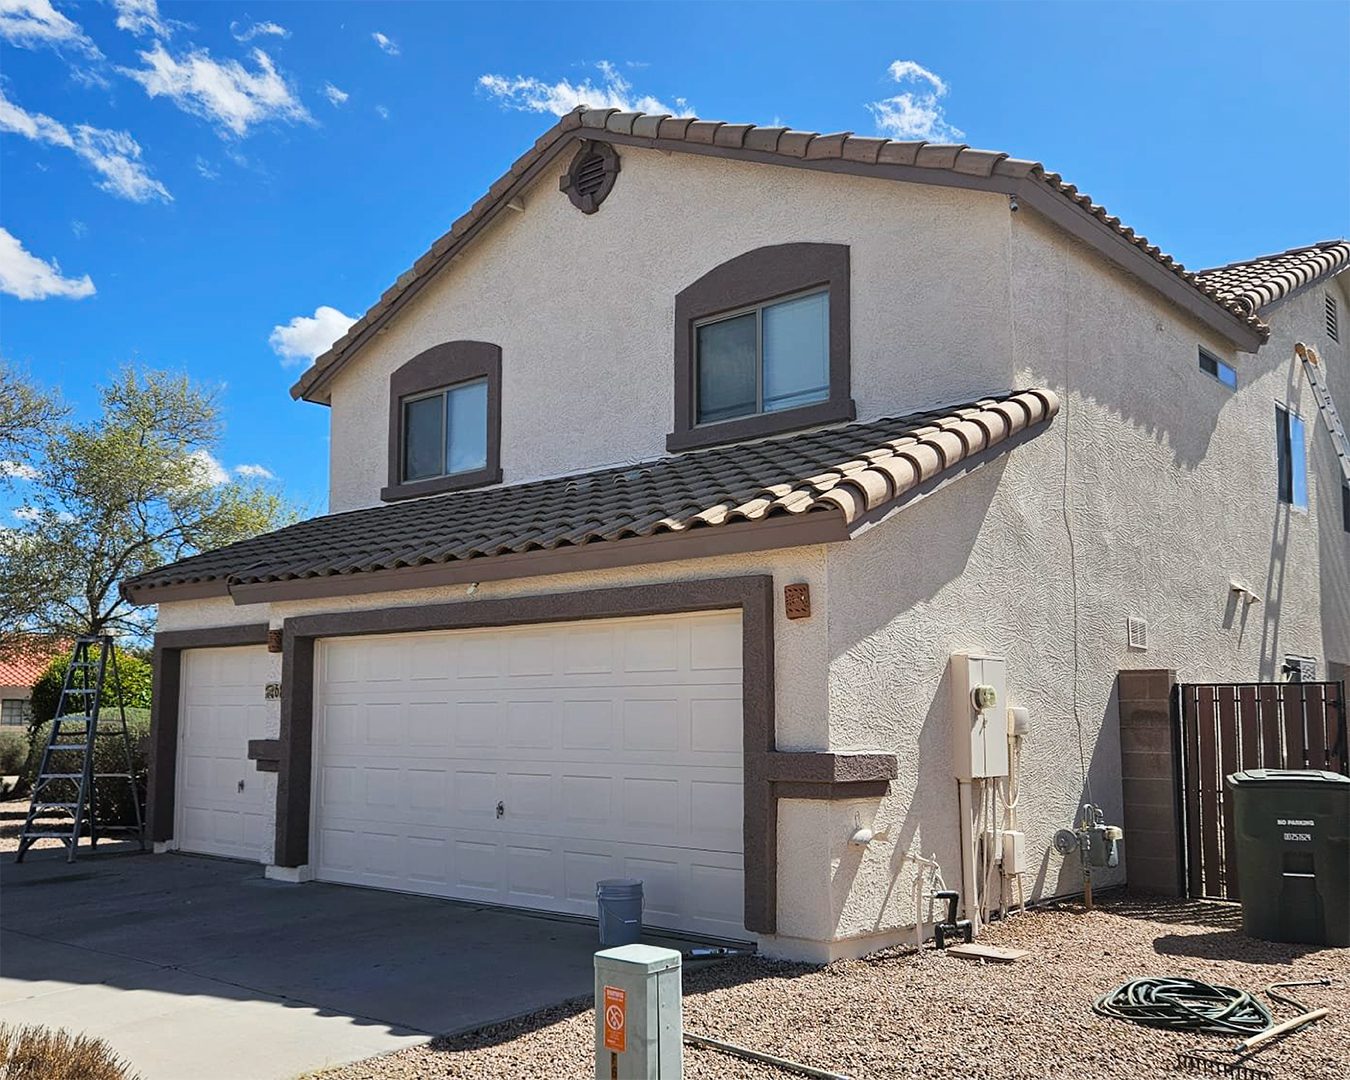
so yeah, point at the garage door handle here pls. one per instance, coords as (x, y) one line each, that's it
(501, 809)
(241, 785)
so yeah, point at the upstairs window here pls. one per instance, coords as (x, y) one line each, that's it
(766, 359)
(1212, 365)
(762, 346)
(1291, 456)
(445, 432)
(445, 420)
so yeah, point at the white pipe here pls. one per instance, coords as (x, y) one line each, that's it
(969, 894)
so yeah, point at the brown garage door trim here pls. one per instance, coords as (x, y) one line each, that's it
(753, 596)
(167, 675)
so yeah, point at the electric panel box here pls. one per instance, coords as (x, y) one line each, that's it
(979, 715)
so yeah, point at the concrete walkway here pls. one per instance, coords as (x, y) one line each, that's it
(202, 968)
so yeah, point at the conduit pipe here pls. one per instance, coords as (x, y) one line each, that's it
(969, 893)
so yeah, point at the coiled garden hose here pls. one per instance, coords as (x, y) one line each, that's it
(1178, 1004)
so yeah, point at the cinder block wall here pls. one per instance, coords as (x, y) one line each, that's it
(1148, 780)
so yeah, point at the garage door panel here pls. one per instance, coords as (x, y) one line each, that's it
(609, 754)
(220, 798)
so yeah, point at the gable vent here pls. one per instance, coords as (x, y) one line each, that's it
(1333, 319)
(1136, 634)
(590, 175)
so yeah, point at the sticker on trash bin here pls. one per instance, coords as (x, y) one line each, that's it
(616, 1019)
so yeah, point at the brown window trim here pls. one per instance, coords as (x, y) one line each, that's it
(755, 277)
(443, 366)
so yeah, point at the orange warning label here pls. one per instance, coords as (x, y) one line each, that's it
(616, 1019)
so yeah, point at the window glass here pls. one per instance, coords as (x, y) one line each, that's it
(1225, 373)
(1298, 462)
(423, 421)
(1291, 457)
(727, 363)
(15, 711)
(796, 352)
(466, 434)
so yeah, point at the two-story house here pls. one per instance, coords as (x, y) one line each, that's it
(666, 485)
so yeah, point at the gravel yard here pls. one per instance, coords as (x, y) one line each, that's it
(898, 1015)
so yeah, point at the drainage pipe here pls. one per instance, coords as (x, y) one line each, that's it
(969, 893)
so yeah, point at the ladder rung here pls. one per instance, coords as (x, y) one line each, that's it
(80, 690)
(44, 777)
(113, 776)
(68, 746)
(68, 835)
(52, 806)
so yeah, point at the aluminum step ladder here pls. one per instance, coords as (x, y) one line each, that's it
(1312, 368)
(67, 786)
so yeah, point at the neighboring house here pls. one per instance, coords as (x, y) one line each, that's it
(665, 486)
(22, 663)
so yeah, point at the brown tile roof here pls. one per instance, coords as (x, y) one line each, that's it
(1255, 284)
(23, 660)
(846, 470)
(959, 165)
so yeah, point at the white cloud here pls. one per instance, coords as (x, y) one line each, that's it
(114, 155)
(141, 17)
(257, 29)
(27, 513)
(24, 275)
(334, 95)
(79, 228)
(31, 24)
(221, 91)
(529, 94)
(916, 113)
(17, 470)
(305, 337)
(205, 169)
(254, 472)
(209, 469)
(382, 112)
(388, 44)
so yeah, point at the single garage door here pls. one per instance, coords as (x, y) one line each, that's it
(221, 799)
(519, 766)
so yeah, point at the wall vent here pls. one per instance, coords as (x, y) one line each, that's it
(1333, 319)
(590, 177)
(1136, 634)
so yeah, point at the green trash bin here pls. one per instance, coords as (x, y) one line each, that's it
(1293, 854)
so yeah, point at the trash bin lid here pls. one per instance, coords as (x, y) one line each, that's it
(619, 887)
(1286, 776)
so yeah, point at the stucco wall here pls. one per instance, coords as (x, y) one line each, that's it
(584, 306)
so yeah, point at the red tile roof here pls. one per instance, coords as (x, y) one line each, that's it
(24, 661)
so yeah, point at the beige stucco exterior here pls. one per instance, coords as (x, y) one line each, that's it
(1151, 492)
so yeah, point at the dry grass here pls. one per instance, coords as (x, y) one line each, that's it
(38, 1053)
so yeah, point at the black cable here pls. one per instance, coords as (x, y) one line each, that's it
(1179, 1004)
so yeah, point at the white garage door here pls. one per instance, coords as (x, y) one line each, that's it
(519, 766)
(221, 803)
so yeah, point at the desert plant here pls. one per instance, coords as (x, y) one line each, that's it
(112, 798)
(13, 751)
(37, 1053)
(133, 669)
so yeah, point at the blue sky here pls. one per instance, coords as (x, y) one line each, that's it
(180, 183)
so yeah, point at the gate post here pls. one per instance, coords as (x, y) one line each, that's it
(1149, 776)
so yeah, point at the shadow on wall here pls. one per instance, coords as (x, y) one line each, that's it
(1274, 599)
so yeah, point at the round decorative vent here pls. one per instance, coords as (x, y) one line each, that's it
(590, 177)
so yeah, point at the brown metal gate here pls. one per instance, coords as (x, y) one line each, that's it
(1223, 728)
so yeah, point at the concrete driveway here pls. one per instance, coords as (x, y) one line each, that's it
(201, 967)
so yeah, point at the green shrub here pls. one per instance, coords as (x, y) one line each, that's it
(13, 751)
(31, 1052)
(112, 798)
(135, 673)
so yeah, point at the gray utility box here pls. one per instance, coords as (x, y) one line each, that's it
(639, 1027)
(1292, 830)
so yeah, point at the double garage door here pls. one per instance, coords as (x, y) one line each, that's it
(519, 766)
